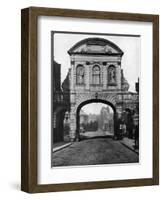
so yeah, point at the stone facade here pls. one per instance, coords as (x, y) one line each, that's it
(106, 83)
(95, 75)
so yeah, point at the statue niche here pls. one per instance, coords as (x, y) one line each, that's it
(80, 74)
(111, 75)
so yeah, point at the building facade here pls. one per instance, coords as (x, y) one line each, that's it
(95, 75)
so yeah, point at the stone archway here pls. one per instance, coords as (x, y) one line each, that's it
(81, 99)
(95, 75)
(77, 137)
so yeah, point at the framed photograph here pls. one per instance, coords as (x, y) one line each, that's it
(90, 99)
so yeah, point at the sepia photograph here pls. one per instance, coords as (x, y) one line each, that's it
(95, 98)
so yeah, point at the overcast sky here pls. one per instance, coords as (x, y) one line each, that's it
(129, 45)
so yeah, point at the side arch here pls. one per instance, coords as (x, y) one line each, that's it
(58, 126)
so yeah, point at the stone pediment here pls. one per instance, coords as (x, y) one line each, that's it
(97, 46)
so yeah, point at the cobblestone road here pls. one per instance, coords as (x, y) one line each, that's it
(94, 151)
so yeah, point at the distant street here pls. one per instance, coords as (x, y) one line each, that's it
(98, 133)
(93, 151)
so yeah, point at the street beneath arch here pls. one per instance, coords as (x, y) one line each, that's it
(94, 151)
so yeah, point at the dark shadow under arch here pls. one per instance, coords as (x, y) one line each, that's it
(88, 102)
(58, 134)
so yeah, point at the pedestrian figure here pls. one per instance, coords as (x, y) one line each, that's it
(122, 128)
(119, 129)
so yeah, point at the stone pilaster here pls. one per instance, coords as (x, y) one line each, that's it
(118, 77)
(90, 73)
(72, 124)
(101, 75)
(72, 76)
(87, 78)
(105, 74)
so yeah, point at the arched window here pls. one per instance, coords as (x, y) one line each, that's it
(111, 74)
(80, 74)
(96, 74)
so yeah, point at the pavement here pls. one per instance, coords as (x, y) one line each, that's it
(60, 145)
(129, 143)
(94, 151)
(86, 135)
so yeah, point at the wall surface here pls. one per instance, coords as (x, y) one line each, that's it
(10, 98)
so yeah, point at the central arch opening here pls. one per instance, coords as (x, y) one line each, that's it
(95, 118)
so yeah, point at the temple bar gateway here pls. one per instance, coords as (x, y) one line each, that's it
(95, 75)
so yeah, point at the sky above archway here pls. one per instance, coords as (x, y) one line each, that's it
(129, 45)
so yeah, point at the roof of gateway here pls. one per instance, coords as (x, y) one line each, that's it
(99, 46)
